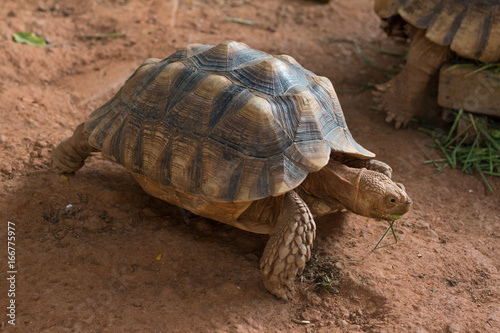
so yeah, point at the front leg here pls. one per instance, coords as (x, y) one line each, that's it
(289, 246)
(370, 164)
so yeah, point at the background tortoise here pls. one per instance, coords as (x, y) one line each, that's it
(235, 134)
(470, 28)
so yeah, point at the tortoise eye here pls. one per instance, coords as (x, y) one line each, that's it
(392, 200)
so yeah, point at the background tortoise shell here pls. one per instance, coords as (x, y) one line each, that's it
(470, 27)
(223, 122)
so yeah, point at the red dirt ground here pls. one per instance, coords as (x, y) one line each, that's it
(94, 266)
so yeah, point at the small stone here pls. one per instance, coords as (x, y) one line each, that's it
(2, 138)
(117, 226)
(422, 224)
(137, 303)
(203, 227)
(94, 223)
(311, 315)
(41, 144)
(251, 257)
(149, 212)
(342, 323)
(6, 169)
(31, 123)
(61, 233)
(453, 328)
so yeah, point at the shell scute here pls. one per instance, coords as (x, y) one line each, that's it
(251, 130)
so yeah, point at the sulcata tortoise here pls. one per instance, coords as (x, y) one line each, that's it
(242, 137)
(469, 28)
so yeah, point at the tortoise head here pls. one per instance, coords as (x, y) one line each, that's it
(378, 196)
(364, 192)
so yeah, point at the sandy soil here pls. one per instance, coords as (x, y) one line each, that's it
(88, 245)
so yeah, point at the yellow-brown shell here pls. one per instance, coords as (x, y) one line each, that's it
(224, 122)
(470, 27)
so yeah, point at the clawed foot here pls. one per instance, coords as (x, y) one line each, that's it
(370, 164)
(386, 97)
(379, 166)
(280, 288)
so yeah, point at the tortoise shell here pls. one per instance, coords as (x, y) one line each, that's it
(223, 122)
(470, 27)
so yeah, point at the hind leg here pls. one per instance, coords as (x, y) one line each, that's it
(70, 154)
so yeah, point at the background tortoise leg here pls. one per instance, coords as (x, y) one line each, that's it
(402, 96)
(70, 154)
(289, 247)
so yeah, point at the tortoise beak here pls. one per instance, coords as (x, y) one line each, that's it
(404, 207)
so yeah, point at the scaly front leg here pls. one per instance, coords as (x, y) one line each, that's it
(370, 164)
(289, 246)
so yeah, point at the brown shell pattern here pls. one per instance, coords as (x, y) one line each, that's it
(470, 27)
(225, 122)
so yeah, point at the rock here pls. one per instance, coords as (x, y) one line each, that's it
(203, 227)
(474, 93)
(6, 169)
(94, 223)
(149, 212)
(251, 257)
(422, 224)
(453, 328)
(312, 315)
(41, 144)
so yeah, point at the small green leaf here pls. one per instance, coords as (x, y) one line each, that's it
(495, 133)
(29, 38)
(396, 217)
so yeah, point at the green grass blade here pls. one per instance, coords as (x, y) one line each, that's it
(389, 52)
(455, 123)
(384, 235)
(483, 177)
(446, 155)
(469, 155)
(368, 62)
(458, 135)
(452, 67)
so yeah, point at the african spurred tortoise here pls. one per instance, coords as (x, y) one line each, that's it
(242, 137)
